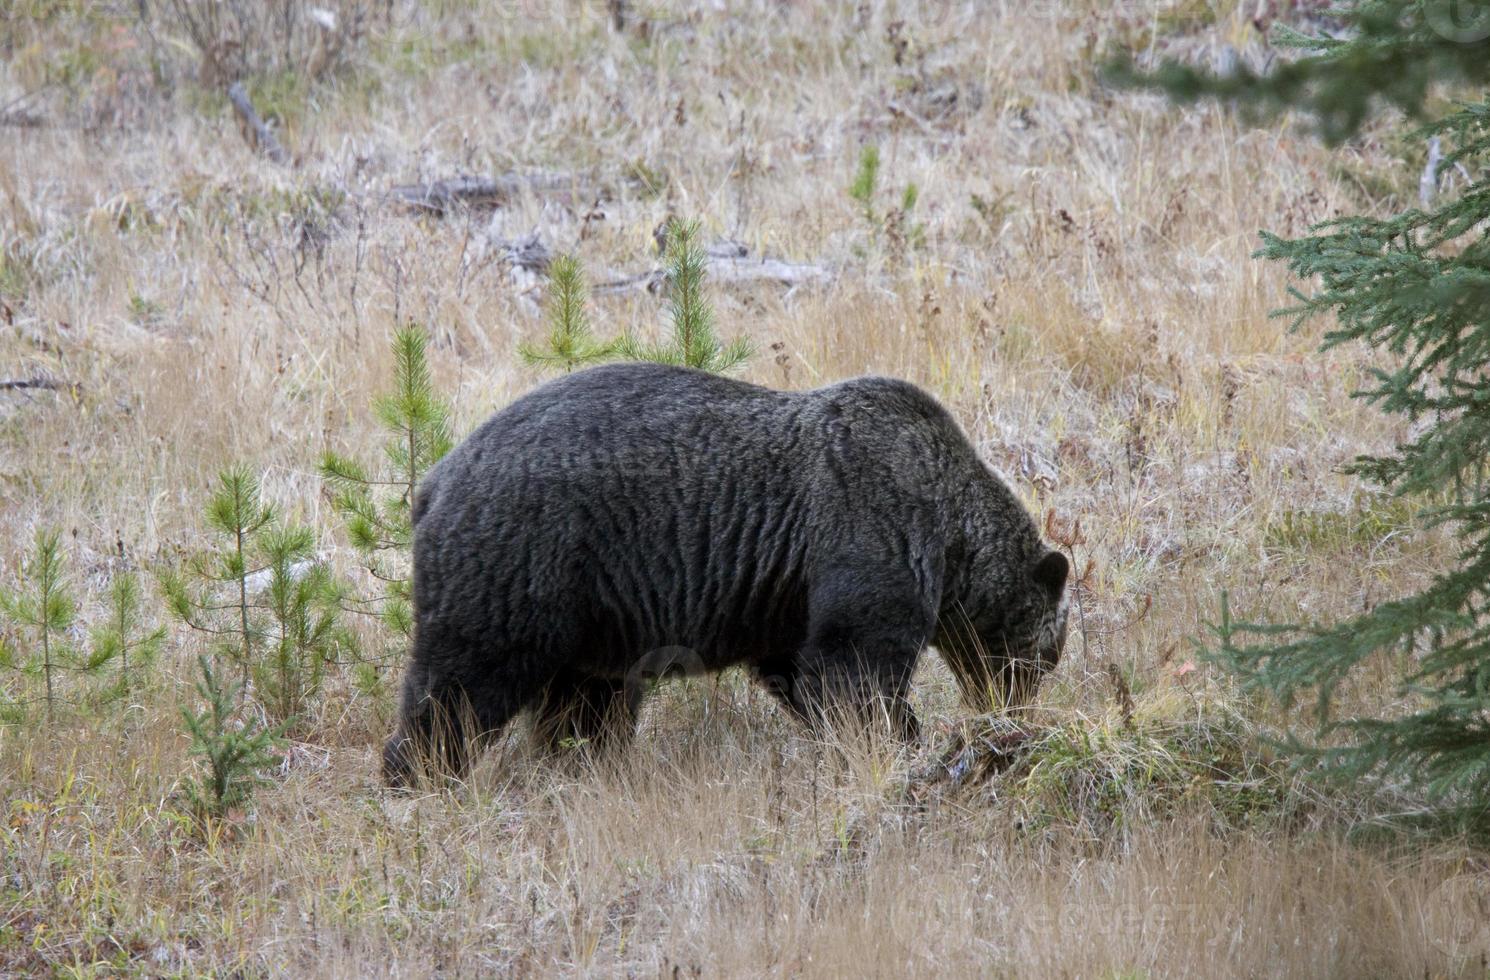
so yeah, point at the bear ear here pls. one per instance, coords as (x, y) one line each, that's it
(1050, 571)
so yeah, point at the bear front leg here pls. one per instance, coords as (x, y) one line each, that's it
(453, 697)
(861, 651)
(432, 733)
(837, 684)
(593, 712)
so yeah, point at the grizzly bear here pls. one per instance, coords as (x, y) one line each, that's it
(631, 520)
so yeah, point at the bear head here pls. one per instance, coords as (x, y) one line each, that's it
(1001, 642)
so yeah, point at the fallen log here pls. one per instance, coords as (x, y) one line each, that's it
(255, 130)
(739, 270)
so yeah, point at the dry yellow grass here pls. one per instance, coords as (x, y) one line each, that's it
(1094, 321)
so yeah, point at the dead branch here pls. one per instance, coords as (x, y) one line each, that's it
(15, 113)
(984, 747)
(728, 271)
(651, 281)
(21, 119)
(723, 248)
(255, 131)
(37, 383)
(439, 196)
(779, 271)
(528, 252)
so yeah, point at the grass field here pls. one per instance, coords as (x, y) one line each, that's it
(1073, 280)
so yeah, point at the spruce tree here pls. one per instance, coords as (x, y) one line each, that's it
(377, 508)
(694, 341)
(571, 341)
(1416, 287)
(1392, 53)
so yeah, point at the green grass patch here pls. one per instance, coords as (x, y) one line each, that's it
(1104, 777)
(415, 55)
(1366, 525)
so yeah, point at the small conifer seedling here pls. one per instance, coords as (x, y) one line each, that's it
(125, 636)
(219, 605)
(571, 341)
(43, 604)
(377, 507)
(303, 601)
(895, 226)
(265, 600)
(865, 184)
(234, 752)
(694, 341)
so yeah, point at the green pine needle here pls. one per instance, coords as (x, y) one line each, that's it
(865, 184)
(43, 604)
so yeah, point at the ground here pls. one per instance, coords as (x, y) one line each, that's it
(1073, 279)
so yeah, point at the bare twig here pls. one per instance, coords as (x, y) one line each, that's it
(1121, 693)
(255, 130)
(618, 13)
(528, 252)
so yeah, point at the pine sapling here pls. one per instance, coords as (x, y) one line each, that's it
(894, 225)
(377, 508)
(303, 601)
(236, 512)
(265, 600)
(571, 341)
(125, 636)
(43, 604)
(901, 233)
(694, 341)
(12, 711)
(865, 185)
(235, 753)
